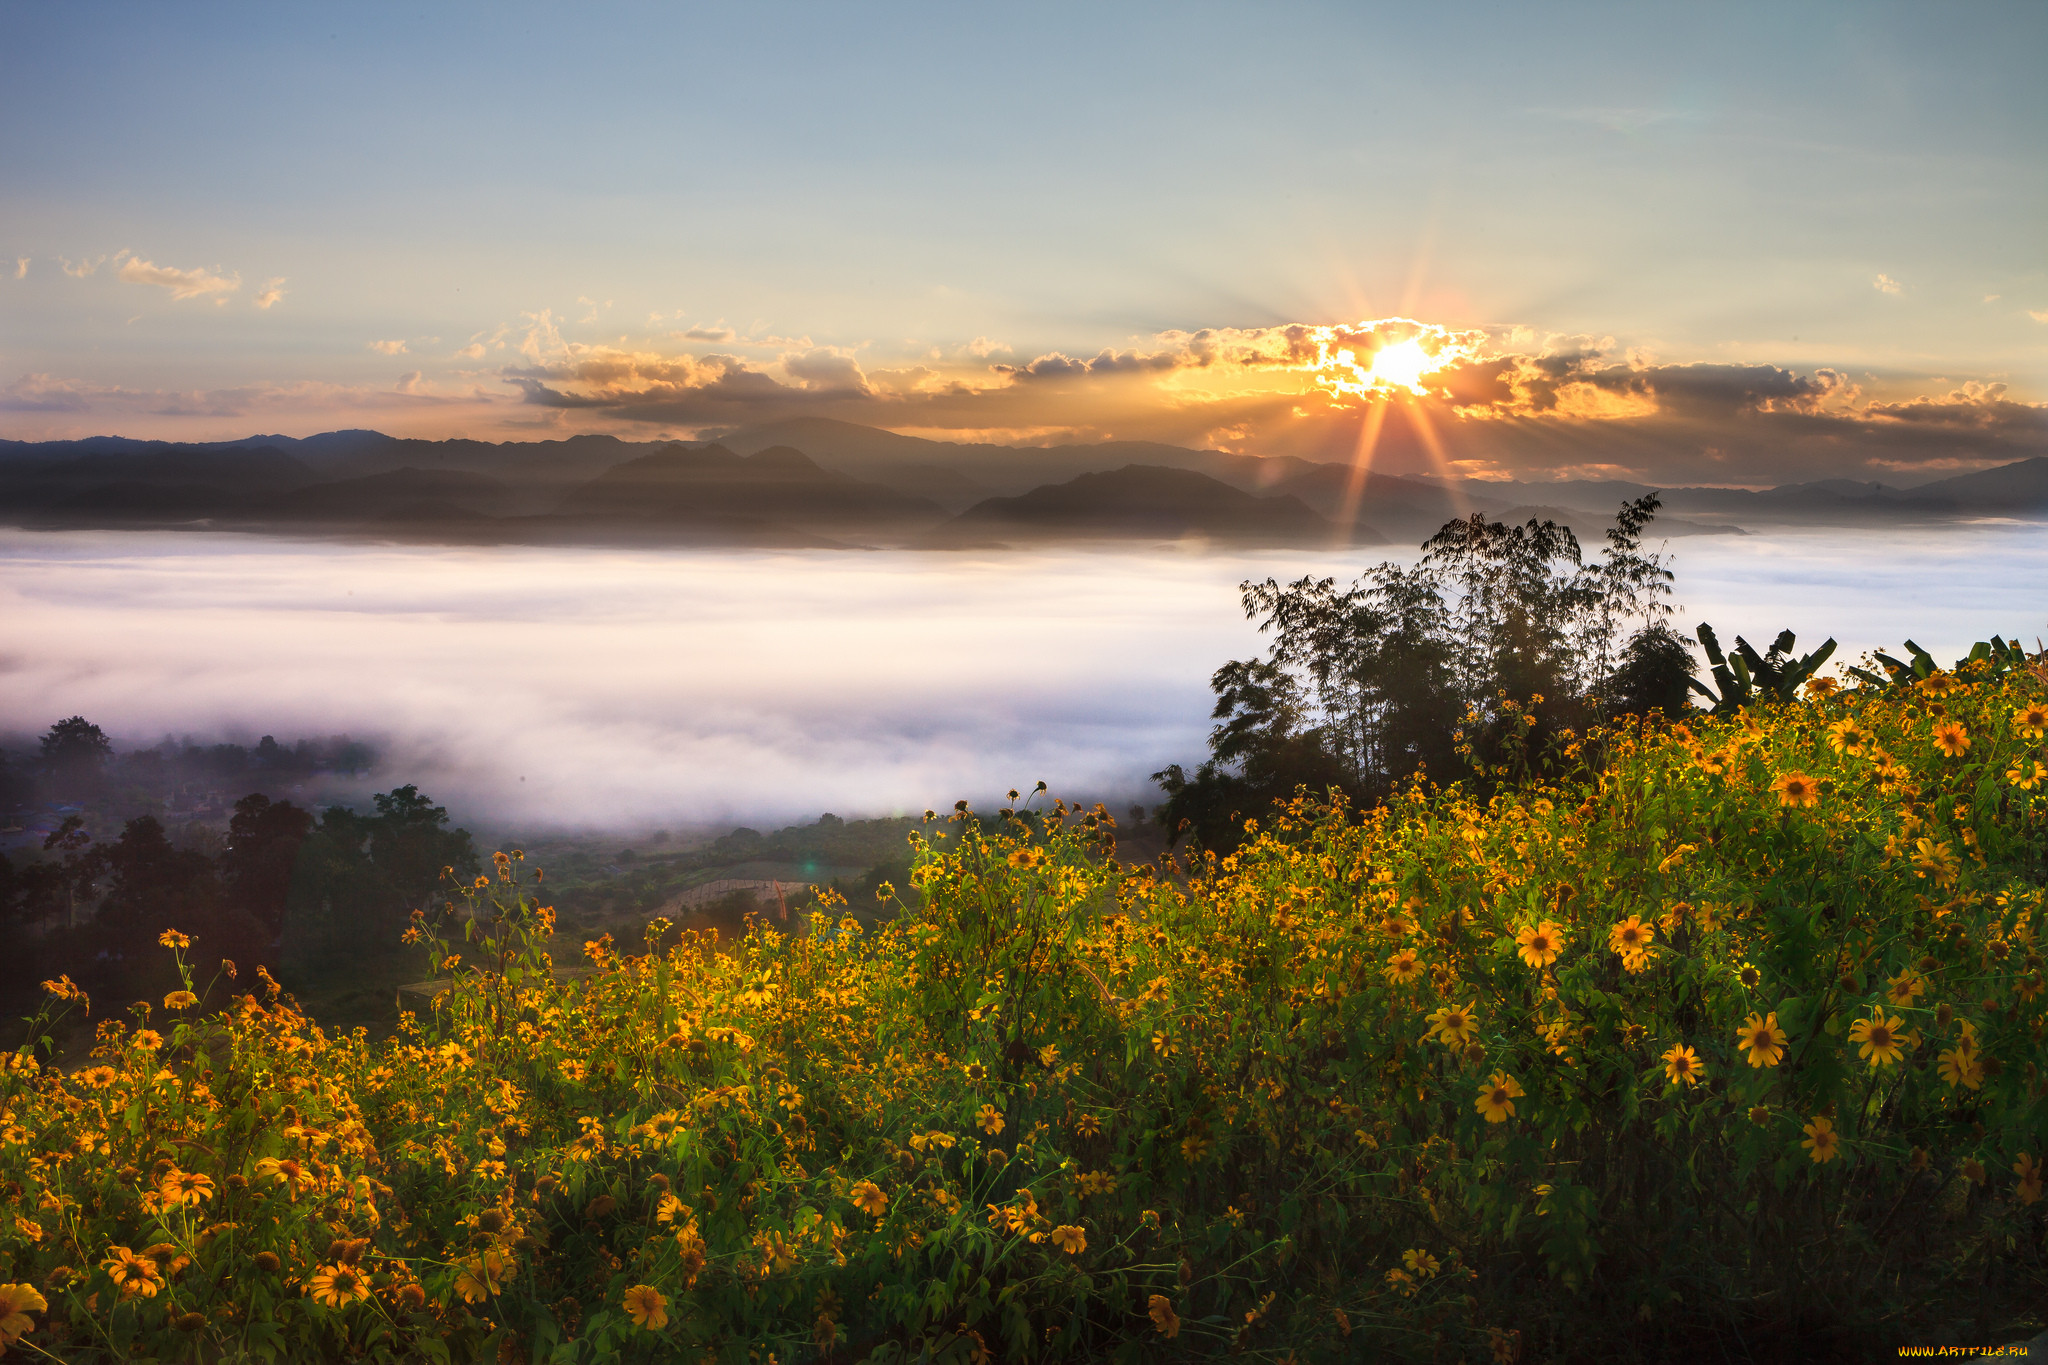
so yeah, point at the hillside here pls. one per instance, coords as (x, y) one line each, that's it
(1144, 502)
(406, 494)
(685, 487)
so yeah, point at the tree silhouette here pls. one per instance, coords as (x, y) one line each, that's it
(264, 840)
(75, 754)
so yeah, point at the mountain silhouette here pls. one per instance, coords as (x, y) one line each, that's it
(410, 495)
(710, 485)
(1145, 502)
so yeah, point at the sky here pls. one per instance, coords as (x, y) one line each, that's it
(1735, 244)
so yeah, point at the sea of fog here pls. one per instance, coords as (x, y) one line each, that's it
(618, 689)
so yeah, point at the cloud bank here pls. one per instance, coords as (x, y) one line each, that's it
(1490, 402)
(1401, 394)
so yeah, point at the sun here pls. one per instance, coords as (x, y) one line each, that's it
(1404, 363)
(1372, 360)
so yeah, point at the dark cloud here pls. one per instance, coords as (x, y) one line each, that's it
(1716, 389)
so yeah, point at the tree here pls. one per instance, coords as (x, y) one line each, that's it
(74, 754)
(356, 876)
(153, 885)
(264, 839)
(17, 788)
(410, 844)
(1365, 687)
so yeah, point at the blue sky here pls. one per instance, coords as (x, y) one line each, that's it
(514, 220)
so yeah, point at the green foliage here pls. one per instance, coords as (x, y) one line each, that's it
(1749, 678)
(1996, 654)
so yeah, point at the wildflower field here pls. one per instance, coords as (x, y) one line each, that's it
(1727, 1040)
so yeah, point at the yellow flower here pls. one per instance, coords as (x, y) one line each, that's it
(776, 1252)
(171, 938)
(1683, 1065)
(1069, 1239)
(2027, 774)
(1932, 858)
(1848, 736)
(1959, 1065)
(64, 988)
(17, 1301)
(988, 1120)
(180, 1000)
(482, 1276)
(1497, 1097)
(1087, 1125)
(1541, 943)
(867, 1196)
(1882, 1043)
(182, 1187)
(2031, 720)
(1403, 967)
(1631, 937)
(1421, 1262)
(1796, 789)
(337, 1286)
(133, 1275)
(646, 1307)
(1905, 988)
(1952, 739)
(1453, 1025)
(1026, 857)
(1160, 1309)
(2028, 1170)
(1762, 1039)
(1822, 1140)
(1821, 688)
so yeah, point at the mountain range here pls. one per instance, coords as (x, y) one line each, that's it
(821, 483)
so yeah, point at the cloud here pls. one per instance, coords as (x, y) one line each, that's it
(825, 371)
(78, 270)
(720, 333)
(2040, 315)
(273, 290)
(409, 382)
(1885, 284)
(21, 267)
(315, 400)
(183, 284)
(387, 347)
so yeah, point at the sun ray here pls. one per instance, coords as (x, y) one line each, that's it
(1361, 468)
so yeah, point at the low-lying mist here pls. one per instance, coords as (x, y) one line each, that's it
(619, 689)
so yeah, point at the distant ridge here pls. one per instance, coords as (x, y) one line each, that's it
(1150, 502)
(777, 485)
(820, 482)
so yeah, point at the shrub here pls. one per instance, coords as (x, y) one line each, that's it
(1731, 1044)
